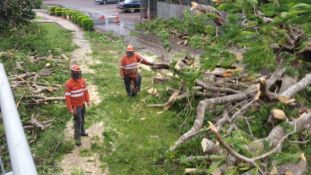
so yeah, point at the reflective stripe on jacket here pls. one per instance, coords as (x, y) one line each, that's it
(129, 66)
(76, 93)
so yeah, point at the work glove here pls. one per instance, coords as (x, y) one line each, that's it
(71, 112)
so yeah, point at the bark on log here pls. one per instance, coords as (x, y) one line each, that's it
(36, 123)
(302, 123)
(201, 112)
(195, 171)
(291, 91)
(175, 96)
(232, 151)
(299, 168)
(217, 89)
(209, 9)
(161, 66)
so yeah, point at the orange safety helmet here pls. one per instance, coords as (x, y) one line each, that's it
(75, 68)
(130, 48)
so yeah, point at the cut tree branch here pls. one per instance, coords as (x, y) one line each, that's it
(201, 112)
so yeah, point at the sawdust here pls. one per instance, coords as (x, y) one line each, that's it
(73, 161)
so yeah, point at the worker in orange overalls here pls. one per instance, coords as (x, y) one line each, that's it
(129, 70)
(77, 95)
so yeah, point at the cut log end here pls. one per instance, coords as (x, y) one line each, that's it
(278, 114)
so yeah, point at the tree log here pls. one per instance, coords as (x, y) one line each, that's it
(217, 89)
(201, 112)
(291, 91)
(277, 133)
(36, 123)
(209, 9)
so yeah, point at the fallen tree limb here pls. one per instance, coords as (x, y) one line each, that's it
(209, 9)
(291, 91)
(242, 110)
(231, 151)
(277, 133)
(201, 112)
(36, 123)
(175, 96)
(217, 89)
(195, 171)
(299, 168)
(45, 98)
(198, 158)
(161, 66)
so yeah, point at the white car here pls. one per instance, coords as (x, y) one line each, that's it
(106, 1)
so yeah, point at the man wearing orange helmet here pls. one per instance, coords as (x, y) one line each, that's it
(129, 70)
(77, 95)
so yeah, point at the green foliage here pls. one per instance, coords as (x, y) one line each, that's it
(65, 12)
(87, 23)
(164, 37)
(298, 14)
(195, 24)
(59, 12)
(37, 4)
(52, 10)
(75, 16)
(260, 55)
(286, 157)
(238, 139)
(15, 13)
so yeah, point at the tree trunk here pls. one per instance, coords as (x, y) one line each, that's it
(291, 91)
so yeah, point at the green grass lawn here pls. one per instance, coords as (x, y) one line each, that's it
(136, 137)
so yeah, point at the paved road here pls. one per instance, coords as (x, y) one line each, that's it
(127, 20)
(141, 41)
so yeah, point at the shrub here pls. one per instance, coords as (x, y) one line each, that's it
(58, 11)
(37, 4)
(75, 17)
(87, 24)
(80, 18)
(52, 10)
(72, 13)
(13, 13)
(65, 12)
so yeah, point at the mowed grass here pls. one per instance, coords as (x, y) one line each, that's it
(136, 137)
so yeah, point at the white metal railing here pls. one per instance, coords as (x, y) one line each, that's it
(20, 156)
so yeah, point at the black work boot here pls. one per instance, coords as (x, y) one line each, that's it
(84, 134)
(78, 142)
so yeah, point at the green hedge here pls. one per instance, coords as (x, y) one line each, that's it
(58, 11)
(52, 10)
(87, 24)
(75, 16)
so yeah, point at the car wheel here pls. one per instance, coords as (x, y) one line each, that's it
(132, 10)
(105, 2)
